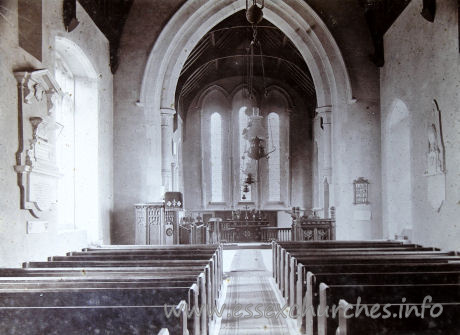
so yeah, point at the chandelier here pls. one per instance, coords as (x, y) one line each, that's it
(255, 133)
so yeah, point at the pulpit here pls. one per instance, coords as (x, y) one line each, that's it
(312, 228)
(157, 222)
(149, 219)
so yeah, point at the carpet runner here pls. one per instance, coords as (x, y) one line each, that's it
(251, 305)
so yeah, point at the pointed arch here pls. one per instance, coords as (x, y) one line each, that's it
(214, 108)
(212, 89)
(294, 18)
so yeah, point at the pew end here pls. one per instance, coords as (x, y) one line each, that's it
(342, 329)
(322, 308)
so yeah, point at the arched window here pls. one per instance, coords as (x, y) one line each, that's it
(397, 170)
(65, 151)
(216, 158)
(274, 163)
(243, 146)
(78, 144)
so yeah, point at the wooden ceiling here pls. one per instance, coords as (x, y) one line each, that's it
(223, 53)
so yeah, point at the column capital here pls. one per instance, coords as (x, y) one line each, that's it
(167, 115)
(167, 111)
(324, 112)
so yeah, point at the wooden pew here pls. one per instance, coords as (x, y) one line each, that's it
(129, 282)
(108, 263)
(291, 261)
(77, 320)
(109, 273)
(447, 323)
(90, 302)
(216, 262)
(280, 249)
(141, 252)
(295, 274)
(341, 254)
(108, 282)
(317, 269)
(383, 294)
(215, 266)
(128, 257)
(311, 300)
(156, 247)
(289, 264)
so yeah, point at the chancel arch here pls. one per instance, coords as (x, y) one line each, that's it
(294, 18)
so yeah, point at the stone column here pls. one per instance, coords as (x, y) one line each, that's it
(325, 117)
(166, 146)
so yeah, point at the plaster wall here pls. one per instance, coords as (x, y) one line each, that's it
(422, 64)
(18, 246)
(355, 124)
(137, 131)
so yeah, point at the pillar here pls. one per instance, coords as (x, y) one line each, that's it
(325, 117)
(166, 147)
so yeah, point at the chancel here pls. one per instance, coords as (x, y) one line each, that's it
(260, 160)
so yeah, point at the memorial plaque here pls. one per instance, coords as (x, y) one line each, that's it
(37, 227)
(42, 190)
(361, 190)
(36, 158)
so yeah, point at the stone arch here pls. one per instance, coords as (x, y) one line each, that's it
(210, 90)
(77, 60)
(286, 95)
(238, 91)
(294, 18)
(275, 91)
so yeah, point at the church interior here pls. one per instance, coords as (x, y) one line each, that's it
(219, 152)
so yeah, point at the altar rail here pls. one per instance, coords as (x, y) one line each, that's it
(276, 234)
(303, 228)
(193, 234)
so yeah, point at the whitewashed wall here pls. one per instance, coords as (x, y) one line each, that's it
(17, 246)
(422, 64)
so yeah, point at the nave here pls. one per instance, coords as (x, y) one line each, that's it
(400, 288)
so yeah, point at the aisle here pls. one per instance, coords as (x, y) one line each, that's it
(251, 302)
